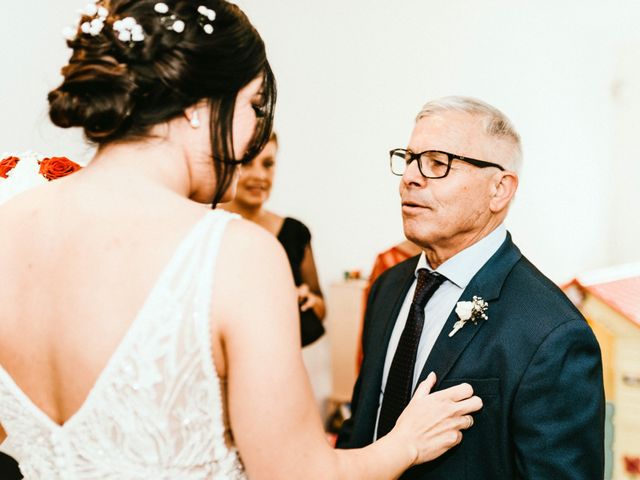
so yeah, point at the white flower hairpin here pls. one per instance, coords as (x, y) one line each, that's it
(206, 15)
(129, 30)
(469, 311)
(170, 22)
(161, 7)
(93, 27)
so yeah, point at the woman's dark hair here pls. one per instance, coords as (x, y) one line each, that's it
(117, 90)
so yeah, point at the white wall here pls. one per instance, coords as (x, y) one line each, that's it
(353, 74)
(32, 52)
(625, 220)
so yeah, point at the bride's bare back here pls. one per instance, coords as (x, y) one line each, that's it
(73, 277)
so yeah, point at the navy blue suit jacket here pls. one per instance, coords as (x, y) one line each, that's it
(535, 363)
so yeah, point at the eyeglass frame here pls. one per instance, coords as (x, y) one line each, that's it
(450, 158)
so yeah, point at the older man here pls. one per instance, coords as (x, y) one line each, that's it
(472, 309)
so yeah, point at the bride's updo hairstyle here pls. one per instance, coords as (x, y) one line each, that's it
(138, 63)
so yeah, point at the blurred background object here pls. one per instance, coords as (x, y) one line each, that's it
(610, 301)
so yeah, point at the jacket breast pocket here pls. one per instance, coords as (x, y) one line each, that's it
(488, 435)
(482, 387)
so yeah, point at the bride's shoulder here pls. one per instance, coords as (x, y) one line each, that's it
(243, 235)
(249, 249)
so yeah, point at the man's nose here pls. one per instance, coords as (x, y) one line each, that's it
(412, 175)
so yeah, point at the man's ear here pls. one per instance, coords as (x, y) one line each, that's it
(504, 188)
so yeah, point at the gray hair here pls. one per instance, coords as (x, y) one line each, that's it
(496, 123)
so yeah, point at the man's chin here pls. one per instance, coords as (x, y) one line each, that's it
(414, 237)
(421, 232)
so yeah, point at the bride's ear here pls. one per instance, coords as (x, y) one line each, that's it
(191, 114)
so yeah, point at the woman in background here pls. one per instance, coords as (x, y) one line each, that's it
(254, 189)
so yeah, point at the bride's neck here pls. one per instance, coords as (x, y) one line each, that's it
(144, 162)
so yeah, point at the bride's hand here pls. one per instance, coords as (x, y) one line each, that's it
(432, 422)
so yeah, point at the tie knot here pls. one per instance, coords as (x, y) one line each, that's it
(428, 282)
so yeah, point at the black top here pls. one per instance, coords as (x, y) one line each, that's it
(294, 237)
(9, 468)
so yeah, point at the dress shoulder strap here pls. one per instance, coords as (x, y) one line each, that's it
(204, 294)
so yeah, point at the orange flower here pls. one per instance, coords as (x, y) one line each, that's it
(57, 167)
(7, 164)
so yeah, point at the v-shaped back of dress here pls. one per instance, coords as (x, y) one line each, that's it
(157, 410)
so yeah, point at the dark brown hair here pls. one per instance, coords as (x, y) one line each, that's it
(118, 90)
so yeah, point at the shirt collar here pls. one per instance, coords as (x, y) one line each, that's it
(462, 267)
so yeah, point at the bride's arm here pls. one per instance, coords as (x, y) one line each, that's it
(3, 434)
(274, 418)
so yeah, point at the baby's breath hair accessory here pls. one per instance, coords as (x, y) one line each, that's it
(173, 23)
(170, 22)
(161, 7)
(206, 15)
(128, 30)
(94, 26)
(69, 33)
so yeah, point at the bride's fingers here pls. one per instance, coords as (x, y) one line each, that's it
(469, 405)
(454, 439)
(457, 393)
(466, 422)
(425, 386)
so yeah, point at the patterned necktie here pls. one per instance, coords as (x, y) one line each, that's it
(397, 392)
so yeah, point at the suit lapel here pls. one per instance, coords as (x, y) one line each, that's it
(398, 291)
(486, 284)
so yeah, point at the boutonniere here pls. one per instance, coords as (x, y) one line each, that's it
(470, 311)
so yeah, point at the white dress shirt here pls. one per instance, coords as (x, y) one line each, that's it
(458, 270)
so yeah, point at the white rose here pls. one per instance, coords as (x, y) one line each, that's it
(464, 310)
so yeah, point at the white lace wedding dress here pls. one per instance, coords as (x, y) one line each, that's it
(157, 410)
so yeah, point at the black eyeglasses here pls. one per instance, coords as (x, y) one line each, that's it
(431, 163)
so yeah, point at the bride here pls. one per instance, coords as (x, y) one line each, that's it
(142, 334)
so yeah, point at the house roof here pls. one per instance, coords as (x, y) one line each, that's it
(618, 287)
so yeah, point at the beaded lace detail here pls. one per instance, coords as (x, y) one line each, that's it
(157, 410)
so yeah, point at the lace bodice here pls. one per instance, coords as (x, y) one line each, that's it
(157, 409)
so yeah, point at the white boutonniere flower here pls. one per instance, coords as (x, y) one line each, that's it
(470, 311)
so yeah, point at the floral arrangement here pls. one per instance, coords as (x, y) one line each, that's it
(24, 171)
